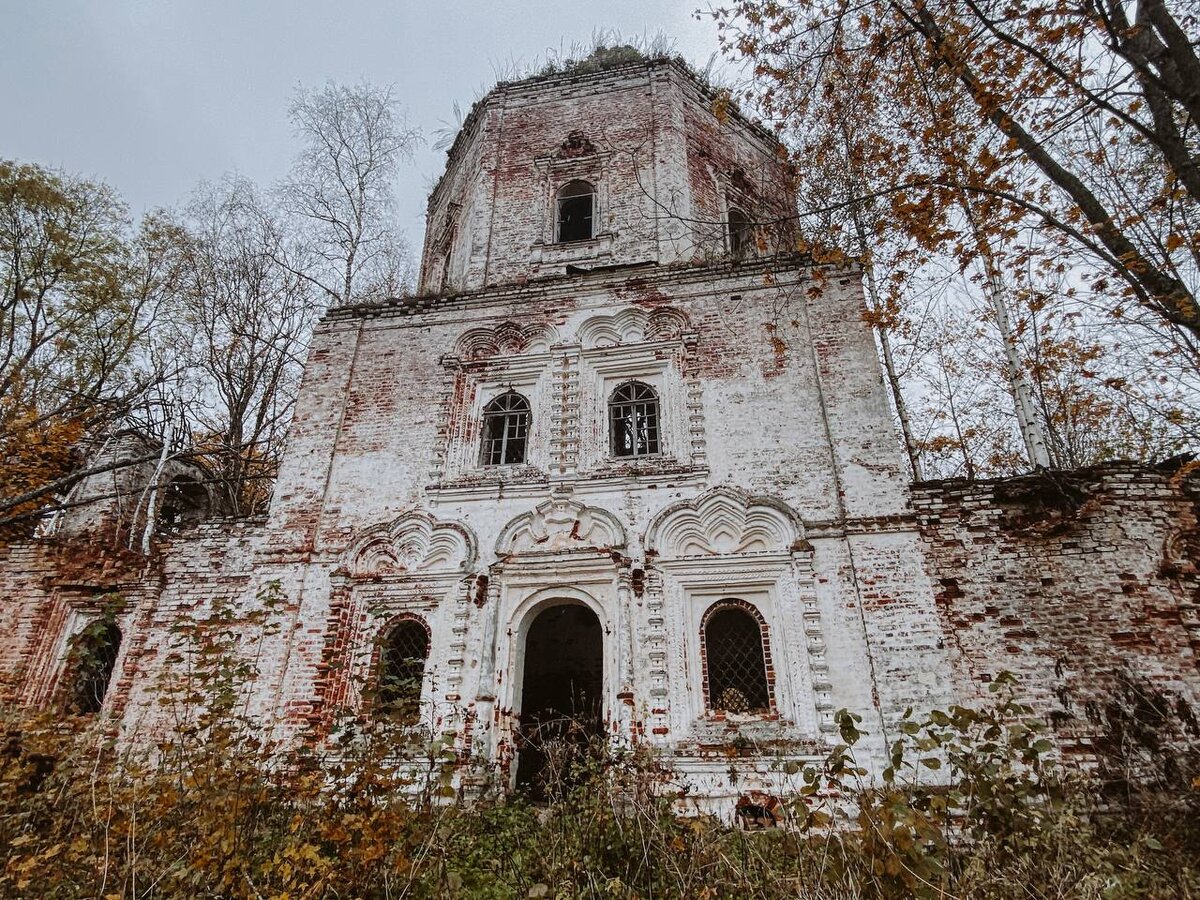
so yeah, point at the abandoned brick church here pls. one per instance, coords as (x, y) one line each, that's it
(627, 459)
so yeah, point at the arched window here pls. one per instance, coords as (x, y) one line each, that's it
(734, 653)
(575, 212)
(741, 233)
(633, 420)
(505, 430)
(400, 672)
(90, 665)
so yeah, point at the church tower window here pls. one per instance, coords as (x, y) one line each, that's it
(733, 647)
(575, 214)
(741, 234)
(401, 670)
(505, 430)
(633, 420)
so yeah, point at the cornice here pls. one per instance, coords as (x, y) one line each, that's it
(781, 269)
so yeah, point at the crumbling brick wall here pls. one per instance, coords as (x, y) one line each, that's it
(1072, 581)
(50, 588)
(665, 167)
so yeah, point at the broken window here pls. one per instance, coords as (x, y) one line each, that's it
(735, 668)
(185, 502)
(741, 234)
(90, 665)
(633, 420)
(575, 213)
(401, 671)
(505, 430)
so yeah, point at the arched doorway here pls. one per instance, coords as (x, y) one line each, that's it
(561, 692)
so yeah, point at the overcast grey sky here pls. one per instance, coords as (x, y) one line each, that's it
(153, 96)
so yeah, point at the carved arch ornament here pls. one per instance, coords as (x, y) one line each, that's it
(558, 525)
(505, 338)
(631, 326)
(724, 520)
(575, 145)
(415, 542)
(1181, 554)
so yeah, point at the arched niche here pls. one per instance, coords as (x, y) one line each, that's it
(724, 521)
(631, 326)
(415, 542)
(506, 338)
(560, 525)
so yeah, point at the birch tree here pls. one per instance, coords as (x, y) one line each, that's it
(1089, 115)
(241, 320)
(341, 188)
(1022, 142)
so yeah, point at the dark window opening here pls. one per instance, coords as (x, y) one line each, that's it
(91, 662)
(736, 672)
(561, 697)
(756, 811)
(633, 420)
(505, 430)
(401, 671)
(185, 502)
(741, 234)
(575, 213)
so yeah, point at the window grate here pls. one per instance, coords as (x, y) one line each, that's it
(402, 656)
(505, 430)
(633, 420)
(737, 672)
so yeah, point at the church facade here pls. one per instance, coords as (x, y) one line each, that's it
(627, 462)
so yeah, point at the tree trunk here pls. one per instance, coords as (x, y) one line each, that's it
(1018, 379)
(152, 501)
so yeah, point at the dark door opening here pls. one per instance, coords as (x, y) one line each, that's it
(561, 695)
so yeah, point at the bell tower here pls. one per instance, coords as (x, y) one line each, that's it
(619, 168)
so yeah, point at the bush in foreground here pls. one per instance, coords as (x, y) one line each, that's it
(969, 806)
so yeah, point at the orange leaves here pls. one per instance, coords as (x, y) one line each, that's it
(1175, 241)
(721, 104)
(36, 451)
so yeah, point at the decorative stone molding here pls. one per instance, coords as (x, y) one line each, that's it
(722, 521)
(564, 439)
(415, 542)
(559, 525)
(697, 439)
(505, 338)
(1180, 551)
(575, 145)
(631, 326)
(552, 172)
(667, 323)
(487, 362)
(655, 643)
